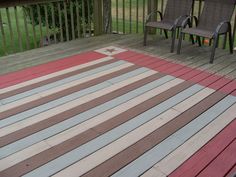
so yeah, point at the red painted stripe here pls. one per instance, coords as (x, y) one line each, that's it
(44, 69)
(178, 70)
(223, 163)
(186, 73)
(207, 153)
(219, 83)
(181, 71)
(125, 55)
(136, 58)
(234, 93)
(159, 64)
(231, 87)
(199, 77)
(174, 69)
(191, 74)
(232, 172)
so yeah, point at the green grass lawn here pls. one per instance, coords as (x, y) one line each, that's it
(15, 48)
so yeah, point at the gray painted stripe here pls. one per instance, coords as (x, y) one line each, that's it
(94, 145)
(146, 161)
(60, 82)
(39, 136)
(23, 115)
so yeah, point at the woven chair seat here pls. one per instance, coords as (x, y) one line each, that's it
(161, 24)
(199, 32)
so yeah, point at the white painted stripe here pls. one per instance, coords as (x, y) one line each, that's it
(82, 151)
(75, 120)
(181, 154)
(25, 114)
(110, 150)
(62, 108)
(61, 88)
(49, 76)
(59, 138)
(111, 113)
(58, 83)
(145, 161)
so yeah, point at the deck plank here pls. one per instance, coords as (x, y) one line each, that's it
(167, 165)
(141, 103)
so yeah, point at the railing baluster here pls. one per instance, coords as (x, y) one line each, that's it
(123, 9)
(78, 17)
(83, 18)
(26, 31)
(10, 28)
(130, 16)
(111, 21)
(199, 8)
(53, 23)
(137, 13)
(40, 21)
(33, 26)
(18, 29)
(234, 30)
(72, 20)
(3, 34)
(89, 19)
(66, 21)
(117, 24)
(60, 21)
(47, 25)
(162, 10)
(144, 11)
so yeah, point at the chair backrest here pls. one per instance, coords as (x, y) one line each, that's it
(176, 8)
(214, 12)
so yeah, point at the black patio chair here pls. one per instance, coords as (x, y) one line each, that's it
(175, 13)
(213, 22)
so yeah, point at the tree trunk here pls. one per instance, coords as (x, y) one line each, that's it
(107, 16)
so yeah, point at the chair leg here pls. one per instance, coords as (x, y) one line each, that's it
(192, 39)
(166, 34)
(145, 35)
(173, 41)
(199, 41)
(215, 44)
(231, 47)
(180, 42)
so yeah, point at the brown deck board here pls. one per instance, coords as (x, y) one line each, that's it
(193, 65)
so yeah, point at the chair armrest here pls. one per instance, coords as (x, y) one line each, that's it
(188, 19)
(178, 19)
(153, 13)
(224, 24)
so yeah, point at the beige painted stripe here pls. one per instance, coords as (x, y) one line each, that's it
(62, 87)
(121, 144)
(62, 108)
(59, 138)
(112, 113)
(191, 101)
(186, 150)
(49, 76)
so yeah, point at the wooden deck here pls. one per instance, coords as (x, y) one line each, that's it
(122, 111)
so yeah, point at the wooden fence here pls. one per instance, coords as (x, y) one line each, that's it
(26, 24)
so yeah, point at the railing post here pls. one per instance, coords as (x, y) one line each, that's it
(98, 17)
(152, 7)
